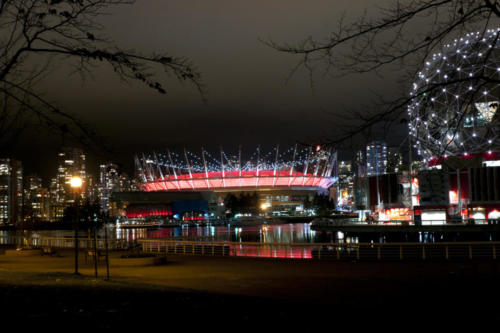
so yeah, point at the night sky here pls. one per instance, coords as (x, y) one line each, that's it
(249, 101)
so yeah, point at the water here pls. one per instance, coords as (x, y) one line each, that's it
(279, 233)
(298, 233)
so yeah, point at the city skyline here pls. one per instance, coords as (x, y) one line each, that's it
(281, 161)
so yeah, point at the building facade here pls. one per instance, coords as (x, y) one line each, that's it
(112, 180)
(376, 158)
(36, 200)
(70, 162)
(345, 186)
(11, 191)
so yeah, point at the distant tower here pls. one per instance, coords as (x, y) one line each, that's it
(36, 200)
(394, 160)
(376, 158)
(109, 181)
(345, 185)
(11, 191)
(70, 162)
(360, 164)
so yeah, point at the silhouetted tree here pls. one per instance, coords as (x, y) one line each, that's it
(323, 204)
(231, 204)
(37, 35)
(88, 212)
(400, 38)
(244, 204)
(307, 203)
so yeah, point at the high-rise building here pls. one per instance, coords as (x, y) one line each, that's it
(70, 163)
(36, 200)
(345, 185)
(376, 158)
(359, 166)
(11, 191)
(109, 182)
(112, 180)
(92, 189)
(394, 160)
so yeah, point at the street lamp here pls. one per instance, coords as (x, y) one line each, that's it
(76, 182)
(76, 185)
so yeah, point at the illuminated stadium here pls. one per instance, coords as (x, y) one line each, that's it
(455, 98)
(292, 168)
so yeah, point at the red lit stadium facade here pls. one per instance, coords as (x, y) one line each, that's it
(237, 180)
(281, 180)
(298, 169)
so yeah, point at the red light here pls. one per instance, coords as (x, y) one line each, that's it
(232, 179)
(318, 148)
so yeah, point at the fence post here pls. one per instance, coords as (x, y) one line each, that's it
(319, 252)
(446, 252)
(423, 252)
(338, 252)
(470, 251)
(378, 253)
(494, 252)
(400, 252)
(357, 253)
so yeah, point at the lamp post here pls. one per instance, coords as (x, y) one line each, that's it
(76, 185)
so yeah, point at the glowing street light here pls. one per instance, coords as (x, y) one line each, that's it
(76, 184)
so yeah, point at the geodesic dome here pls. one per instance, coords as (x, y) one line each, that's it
(455, 98)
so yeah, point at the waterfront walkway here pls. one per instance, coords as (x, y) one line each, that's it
(247, 291)
(313, 280)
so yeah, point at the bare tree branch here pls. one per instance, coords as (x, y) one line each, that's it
(391, 42)
(69, 31)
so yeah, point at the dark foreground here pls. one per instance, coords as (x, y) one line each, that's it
(232, 294)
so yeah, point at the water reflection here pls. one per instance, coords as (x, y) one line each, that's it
(275, 233)
(279, 233)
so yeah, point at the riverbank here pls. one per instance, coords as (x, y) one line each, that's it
(246, 291)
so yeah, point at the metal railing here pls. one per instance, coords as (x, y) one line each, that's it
(340, 222)
(451, 251)
(64, 242)
(440, 251)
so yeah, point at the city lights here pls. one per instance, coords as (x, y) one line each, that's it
(292, 167)
(466, 106)
(76, 182)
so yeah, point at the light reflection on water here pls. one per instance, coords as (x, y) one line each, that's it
(278, 233)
